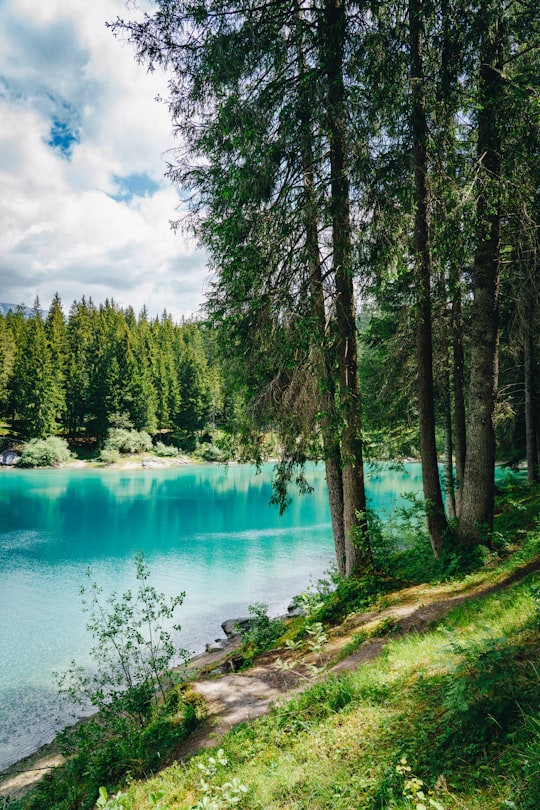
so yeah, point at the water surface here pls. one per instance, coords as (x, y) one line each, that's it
(206, 530)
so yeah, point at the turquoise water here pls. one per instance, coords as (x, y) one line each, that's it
(205, 530)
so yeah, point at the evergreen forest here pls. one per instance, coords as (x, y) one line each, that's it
(104, 368)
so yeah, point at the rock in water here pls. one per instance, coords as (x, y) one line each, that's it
(231, 627)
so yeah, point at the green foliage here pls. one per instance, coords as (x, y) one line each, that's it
(482, 691)
(209, 452)
(107, 752)
(121, 801)
(414, 790)
(8, 803)
(263, 632)
(142, 713)
(109, 456)
(166, 450)
(309, 665)
(123, 440)
(37, 395)
(216, 796)
(48, 452)
(78, 374)
(346, 596)
(132, 649)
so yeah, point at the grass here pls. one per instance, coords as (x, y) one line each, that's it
(459, 703)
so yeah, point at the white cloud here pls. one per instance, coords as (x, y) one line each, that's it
(77, 117)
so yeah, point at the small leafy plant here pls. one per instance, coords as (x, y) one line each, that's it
(262, 633)
(314, 644)
(414, 789)
(142, 710)
(215, 796)
(133, 651)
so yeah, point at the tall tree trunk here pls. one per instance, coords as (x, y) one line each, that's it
(476, 517)
(423, 273)
(460, 421)
(449, 484)
(357, 554)
(329, 430)
(531, 405)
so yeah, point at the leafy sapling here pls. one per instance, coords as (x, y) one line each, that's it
(317, 638)
(133, 651)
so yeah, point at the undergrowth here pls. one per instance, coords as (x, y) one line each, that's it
(457, 705)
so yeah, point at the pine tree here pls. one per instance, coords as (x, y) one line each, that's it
(37, 394)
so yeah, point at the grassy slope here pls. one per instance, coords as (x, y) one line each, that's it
(460, 702)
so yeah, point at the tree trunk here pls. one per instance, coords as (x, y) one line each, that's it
(357, 554)
(331, 450)
(476, 517)
(531, 407)
(460, 421)
(449, 487)
(423, 272)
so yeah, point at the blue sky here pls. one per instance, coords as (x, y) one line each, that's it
(84, 207)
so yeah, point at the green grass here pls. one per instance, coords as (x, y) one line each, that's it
(459, 702)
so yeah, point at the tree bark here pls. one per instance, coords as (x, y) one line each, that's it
(531, 406)
(449, 483)
(357, 554)
(460, 420)
(423, 273)
(476, 517)
(330, 438)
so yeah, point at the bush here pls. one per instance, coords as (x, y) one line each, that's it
(209, 452)
(109, 456)
(128, 441)
(166, 450)
(45, 452)
(262, 633)
(143, 712)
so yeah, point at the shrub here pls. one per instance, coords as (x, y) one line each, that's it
(166, 450)
(109, 456)
(142, 716)
(128, 441)
(209, 452)
(45, 452)
(262, 633)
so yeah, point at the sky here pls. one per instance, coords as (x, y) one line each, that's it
(84, 206)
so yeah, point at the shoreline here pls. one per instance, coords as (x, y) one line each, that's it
(21, 776)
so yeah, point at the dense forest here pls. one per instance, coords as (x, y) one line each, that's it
(102, 368)
(365, 179)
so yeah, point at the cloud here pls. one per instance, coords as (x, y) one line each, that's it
(84, 205)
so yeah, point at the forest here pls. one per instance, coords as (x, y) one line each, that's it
(376, 160)
(365, 179)
(102, 368)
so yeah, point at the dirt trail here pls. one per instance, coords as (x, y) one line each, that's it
(234, 698)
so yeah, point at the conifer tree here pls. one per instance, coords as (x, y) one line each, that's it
(37, 393)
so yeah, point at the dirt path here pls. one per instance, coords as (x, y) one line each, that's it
(234, 698)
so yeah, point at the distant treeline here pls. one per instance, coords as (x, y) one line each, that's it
(103, 367)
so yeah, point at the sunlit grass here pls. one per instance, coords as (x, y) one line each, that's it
(431, 697)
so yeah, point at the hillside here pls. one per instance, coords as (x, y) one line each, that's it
(439, 678)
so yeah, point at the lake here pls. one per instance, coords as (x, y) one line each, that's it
(205, 529)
